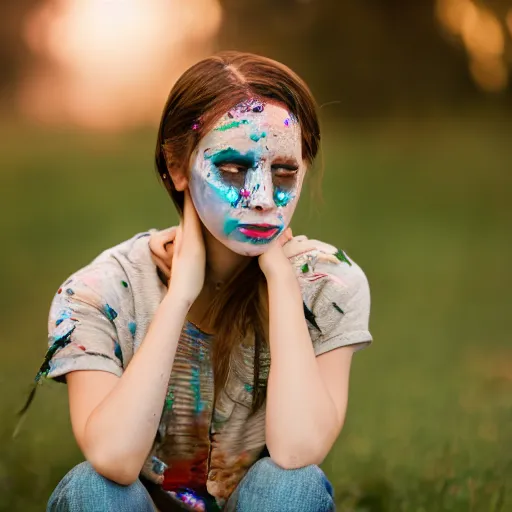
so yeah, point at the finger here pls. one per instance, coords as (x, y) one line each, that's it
(160, 242)
(163, 265)
(286, 236)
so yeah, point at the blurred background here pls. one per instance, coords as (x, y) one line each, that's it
(415, 101)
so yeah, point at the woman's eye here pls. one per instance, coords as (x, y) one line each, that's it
(284, 172)
(231, 168)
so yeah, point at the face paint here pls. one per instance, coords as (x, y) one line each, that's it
(246, 176)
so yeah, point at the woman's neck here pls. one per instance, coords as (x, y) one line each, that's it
(221, 262)
(221, 265)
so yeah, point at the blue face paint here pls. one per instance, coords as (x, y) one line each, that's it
(282, 197)
(233, 156)
(232, 124)
(256, 137)
(231, 230)
(233, 196)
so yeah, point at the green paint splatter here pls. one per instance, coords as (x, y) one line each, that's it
(342, 257)
(232, 124)
(125, 284)
(230, 225)
(248, 388)
(169, 399)
(337, 308)
(256, 138)
(305, 268)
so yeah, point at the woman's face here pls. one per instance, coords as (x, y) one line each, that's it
(246, 175)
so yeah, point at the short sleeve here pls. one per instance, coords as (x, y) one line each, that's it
(83, 322)
(336, 295)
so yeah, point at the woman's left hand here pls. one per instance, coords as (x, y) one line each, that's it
(274, 259)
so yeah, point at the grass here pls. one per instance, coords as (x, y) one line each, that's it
(422, 206)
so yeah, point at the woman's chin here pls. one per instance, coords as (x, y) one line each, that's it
(250, 249)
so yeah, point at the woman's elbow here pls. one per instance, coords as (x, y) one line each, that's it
(121, 472)
(295, 459)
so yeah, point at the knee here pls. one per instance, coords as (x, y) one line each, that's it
(267, 486)
(83, 489)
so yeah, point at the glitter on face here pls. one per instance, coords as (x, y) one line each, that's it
(281, 197)
(232, 196)
(242, 195)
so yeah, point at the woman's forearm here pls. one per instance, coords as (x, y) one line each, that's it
(301, 419)
(121, 429)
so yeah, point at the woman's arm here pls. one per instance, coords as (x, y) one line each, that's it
(115, 419)
(307, 396)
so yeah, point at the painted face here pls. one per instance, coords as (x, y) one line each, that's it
(246, 176)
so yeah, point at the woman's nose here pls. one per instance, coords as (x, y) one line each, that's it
(262, 190)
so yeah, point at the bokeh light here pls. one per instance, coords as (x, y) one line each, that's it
(110, 63)
(484, 40)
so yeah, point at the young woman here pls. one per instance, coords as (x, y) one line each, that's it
(208, 364)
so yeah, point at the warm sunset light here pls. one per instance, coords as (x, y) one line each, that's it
(110, 63)
(483, 37)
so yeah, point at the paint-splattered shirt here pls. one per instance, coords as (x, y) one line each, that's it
(100, 316)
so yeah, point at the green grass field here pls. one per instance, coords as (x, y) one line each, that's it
(423, 206)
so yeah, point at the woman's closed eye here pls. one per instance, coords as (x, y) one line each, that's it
(285, 170)
(231, 167)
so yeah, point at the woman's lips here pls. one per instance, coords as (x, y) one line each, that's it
(258, 230)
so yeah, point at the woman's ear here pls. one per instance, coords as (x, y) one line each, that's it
(176, 173)
(179, 179)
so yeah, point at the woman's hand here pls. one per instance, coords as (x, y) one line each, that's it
(274, 261)
(188, 256)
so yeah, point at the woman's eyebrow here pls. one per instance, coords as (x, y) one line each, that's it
(285, 161)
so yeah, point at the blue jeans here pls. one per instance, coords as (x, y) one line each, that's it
(265, 488)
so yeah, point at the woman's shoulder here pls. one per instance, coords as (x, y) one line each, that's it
(117, 270)
(335, 292)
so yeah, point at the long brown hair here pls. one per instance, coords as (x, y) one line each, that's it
(201, 95)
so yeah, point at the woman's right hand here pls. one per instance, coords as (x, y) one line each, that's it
(189, 255)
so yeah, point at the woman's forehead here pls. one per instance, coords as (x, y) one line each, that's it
(273, 129)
